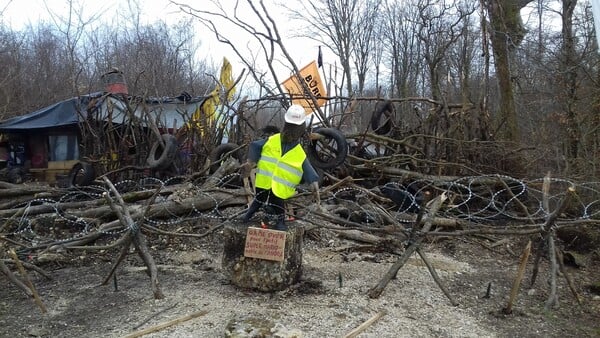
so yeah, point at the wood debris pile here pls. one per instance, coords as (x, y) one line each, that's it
(396, 217)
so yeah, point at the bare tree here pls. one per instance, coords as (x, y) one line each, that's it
(255, 21)
(365, 40)
(590, 92)
(67, 55)
(468, 84)
(507, 33)
(440, 26)
(11, 95)
(569, 66)
(424, 55)
(347, 28)
(262, 31)
(72, 27)
(404, 50)
(378, 51)
(340, 25)
(158, 60)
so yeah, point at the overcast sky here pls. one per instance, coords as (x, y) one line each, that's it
(20, 13)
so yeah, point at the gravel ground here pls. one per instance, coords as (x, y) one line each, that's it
(330, 301)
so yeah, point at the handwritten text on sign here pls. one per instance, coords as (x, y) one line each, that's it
(265, 244)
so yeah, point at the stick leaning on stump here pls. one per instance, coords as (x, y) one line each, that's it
(135, 236)
(415, 241)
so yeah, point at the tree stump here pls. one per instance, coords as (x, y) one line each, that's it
(262, 274)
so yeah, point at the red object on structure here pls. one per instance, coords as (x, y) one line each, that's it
(117, 88)
(115, 82)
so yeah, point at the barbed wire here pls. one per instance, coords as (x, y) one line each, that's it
(510, 200)
(502, 198)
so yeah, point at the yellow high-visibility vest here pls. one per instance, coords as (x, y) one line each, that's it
(279, 173)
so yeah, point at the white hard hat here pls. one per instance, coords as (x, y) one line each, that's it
(295, 115)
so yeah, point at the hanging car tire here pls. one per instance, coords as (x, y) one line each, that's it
(329, 151)
(161, 157)
(218, 155)
(82, 174)
(15, 175)
(387, 110)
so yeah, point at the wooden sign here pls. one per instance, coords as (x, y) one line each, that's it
(265, 244)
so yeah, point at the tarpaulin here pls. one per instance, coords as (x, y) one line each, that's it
(59, 114)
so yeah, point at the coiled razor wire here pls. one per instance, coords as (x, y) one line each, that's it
(475, 199)
(353, 200)
(471, 198)
(24, 224)
(77, 227)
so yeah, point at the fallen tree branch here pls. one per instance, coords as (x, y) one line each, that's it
(30, 267)
(16, 281)
(563, 270)
(376, 291)
(28, 282)
(154, 315)
(167, 324)
(354, 333)
(135, 236)
(435, 276)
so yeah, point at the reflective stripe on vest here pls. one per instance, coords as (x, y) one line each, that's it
(279, 173)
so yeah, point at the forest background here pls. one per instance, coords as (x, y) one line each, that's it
(478, 87)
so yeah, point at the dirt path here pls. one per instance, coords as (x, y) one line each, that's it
(329, 302)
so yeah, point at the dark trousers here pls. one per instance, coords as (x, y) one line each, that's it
(271, 204)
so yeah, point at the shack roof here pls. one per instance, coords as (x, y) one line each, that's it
(171, 111)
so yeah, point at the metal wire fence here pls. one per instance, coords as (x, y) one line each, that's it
(479, 199)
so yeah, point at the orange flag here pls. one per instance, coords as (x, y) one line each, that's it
(312, 79)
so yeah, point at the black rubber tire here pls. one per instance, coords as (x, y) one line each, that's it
(15, 175)
(82, 174)
(329, 152)
(160, 157)
(387, 110)
(219, 153)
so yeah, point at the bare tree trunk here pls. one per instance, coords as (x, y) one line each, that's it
(507, 33)
(569, 66)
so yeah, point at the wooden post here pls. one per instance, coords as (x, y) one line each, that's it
(517, 282)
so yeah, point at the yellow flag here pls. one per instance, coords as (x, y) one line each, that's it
(226, 79)
(205, 115)
(312, 79)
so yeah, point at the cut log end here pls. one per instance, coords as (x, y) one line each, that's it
(262, 274)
